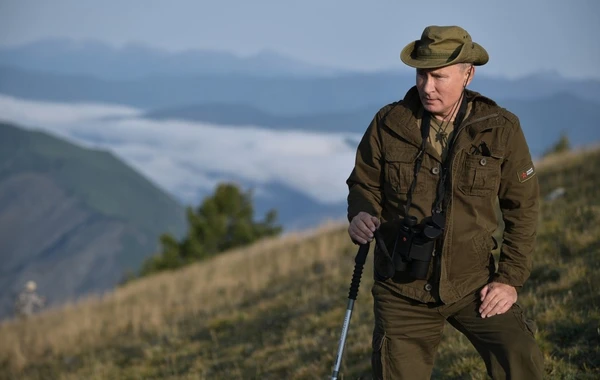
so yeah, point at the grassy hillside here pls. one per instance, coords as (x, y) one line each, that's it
(103, 182)
(274, 310)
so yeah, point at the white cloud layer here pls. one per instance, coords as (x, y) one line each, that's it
(188, 159)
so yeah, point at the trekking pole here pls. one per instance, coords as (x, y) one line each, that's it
(360, 259)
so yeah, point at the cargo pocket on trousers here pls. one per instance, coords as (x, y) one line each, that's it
(527, 325)
(379, 356)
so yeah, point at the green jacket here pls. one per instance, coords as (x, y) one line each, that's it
(490, 161)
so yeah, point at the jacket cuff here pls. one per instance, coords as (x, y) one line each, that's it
(361, 206)
(504, 279)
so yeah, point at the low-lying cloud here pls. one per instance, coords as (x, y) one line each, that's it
(188, 159)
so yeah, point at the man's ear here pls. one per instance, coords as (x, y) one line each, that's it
(470, 75)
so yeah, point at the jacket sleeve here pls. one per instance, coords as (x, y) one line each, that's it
(519, 204)
(364, 183)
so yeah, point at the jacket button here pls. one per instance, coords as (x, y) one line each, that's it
(483, 162)
(428, 287)
(435, 170)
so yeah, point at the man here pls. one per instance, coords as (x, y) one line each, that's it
(28, 301)
(429, 171)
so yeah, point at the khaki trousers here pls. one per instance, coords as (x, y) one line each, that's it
(407, 334)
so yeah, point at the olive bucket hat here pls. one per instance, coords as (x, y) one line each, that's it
(441, 46)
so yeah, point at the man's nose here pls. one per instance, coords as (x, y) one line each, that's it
(428, 86)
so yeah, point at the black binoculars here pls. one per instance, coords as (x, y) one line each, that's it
(415, 244)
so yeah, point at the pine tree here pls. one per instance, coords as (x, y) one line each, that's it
(223, 221)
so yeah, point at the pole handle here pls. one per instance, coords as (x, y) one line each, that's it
(359, 260)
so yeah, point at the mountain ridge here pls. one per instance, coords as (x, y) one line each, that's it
(136, 60)
(276, 95)
(72, 219)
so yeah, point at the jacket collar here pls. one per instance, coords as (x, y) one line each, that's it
(404, 119)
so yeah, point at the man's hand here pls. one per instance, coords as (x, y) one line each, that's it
(496, 298)
(362, 227)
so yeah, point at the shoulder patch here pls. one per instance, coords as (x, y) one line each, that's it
(526, 172)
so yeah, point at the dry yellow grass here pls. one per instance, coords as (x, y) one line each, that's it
(149, 305)
(557, 161)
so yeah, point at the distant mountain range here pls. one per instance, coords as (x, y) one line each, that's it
(277, 95)
(74, 220)
(135, 61)
(295, 210)
(543, 119)
(246, 116)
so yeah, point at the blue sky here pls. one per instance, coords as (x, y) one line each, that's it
(522, 37)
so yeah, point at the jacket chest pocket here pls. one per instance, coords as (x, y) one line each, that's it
(400, 171)
(479, 175)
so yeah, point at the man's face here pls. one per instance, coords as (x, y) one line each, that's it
(440, 89)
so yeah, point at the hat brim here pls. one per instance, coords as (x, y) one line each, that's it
(476, 56)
